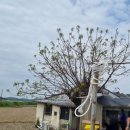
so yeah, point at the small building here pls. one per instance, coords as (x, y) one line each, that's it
(109, 104)
(112, 107)
(57, 111)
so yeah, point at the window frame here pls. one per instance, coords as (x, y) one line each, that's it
(48, 109)
(65, 112)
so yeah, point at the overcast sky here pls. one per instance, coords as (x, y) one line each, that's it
(25, 23)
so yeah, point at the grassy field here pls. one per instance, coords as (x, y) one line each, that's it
(6, 103)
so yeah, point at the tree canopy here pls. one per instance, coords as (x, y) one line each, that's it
(65, 66)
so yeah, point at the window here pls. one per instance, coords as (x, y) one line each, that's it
(64, 113)
(55, 113)
(48, 109)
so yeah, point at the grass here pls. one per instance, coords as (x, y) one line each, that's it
(4, 103)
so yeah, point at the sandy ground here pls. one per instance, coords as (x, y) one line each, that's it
(17, 115)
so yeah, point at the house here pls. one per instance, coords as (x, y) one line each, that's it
(108, 107)
(112, 107)
(57, 111)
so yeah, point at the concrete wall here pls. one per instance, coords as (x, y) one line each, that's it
(47, 118)
(52, 119)
(40, 112)
(55, 119)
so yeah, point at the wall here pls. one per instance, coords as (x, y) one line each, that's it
(55, 119)
(39, 112)
(47, 118)
(51, 119)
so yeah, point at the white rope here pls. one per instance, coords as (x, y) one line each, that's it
(80, 107)
(89, 98)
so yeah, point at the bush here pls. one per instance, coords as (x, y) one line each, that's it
(6, 104)
(16, 103)
(37, 123)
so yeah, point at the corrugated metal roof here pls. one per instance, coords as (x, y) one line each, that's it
(108, 101)
(124, 101)
(60, 100)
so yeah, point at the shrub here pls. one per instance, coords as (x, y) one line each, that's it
(37, 123)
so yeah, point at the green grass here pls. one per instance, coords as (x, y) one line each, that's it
(4, 103)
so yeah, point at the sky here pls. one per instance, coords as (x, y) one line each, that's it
(25, 23)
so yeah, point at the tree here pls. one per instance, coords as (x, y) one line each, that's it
(65, 66)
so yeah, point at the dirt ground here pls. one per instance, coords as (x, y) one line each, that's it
(20, 114)
(21, 118)
(17, 126)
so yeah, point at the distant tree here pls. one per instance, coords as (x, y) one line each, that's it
(65, 66)
(1, 96)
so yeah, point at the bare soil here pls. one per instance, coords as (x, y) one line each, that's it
(21, 118)
(17, 115)
(17, 126)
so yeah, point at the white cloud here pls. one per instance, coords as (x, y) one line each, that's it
(24, 23)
